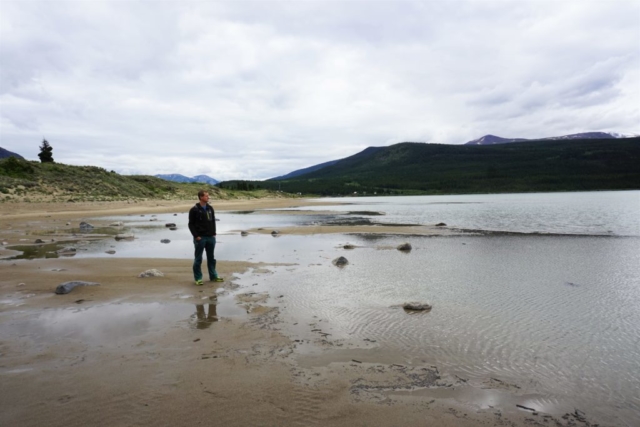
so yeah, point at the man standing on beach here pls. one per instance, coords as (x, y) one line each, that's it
(202, 224)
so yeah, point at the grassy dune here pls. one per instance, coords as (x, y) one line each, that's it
(29, 181)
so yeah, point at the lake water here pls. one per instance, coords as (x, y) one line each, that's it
(554, 310)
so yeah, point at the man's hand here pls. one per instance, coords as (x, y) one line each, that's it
(198, 238)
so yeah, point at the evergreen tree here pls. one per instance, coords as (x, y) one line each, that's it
(46, 152)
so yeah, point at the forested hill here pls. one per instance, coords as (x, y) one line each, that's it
(531, 166)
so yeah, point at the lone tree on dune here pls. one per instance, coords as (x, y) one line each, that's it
(46, 152)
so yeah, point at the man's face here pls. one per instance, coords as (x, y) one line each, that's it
(204, 198)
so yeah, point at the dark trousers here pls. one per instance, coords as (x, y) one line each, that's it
(205, 244)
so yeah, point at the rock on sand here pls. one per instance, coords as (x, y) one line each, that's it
(151, 273)
(66, 287)
(405, 247)
(340, 261)
(416, 306)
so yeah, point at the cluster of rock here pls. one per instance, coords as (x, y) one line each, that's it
(66, 287)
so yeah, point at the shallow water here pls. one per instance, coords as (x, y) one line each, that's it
(601, 213)
(112, 324)
(555, 314)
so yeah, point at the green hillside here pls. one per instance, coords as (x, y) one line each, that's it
(22, 180)
(532, 166)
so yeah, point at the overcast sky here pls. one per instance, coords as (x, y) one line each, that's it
(252, 90)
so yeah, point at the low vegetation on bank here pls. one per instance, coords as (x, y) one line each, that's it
(29, 181)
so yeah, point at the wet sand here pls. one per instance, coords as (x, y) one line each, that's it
(198, 369)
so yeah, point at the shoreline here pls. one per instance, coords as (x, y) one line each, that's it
(242, 368)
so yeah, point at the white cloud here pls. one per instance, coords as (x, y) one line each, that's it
(257, 89)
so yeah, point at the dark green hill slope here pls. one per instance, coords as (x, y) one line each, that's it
(532, 166)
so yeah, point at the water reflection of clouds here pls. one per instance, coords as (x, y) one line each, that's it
(110, 323)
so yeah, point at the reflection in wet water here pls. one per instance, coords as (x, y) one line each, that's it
(48, 250)
(204, 319)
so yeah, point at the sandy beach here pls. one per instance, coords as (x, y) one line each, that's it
(208, 369)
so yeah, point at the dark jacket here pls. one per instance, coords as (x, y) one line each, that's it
(202, 223)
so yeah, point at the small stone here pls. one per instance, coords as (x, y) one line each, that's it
(244, 233)
(125, 236)
(340, 261)
(153, 219)
(116, 224)
(441, 224)
(173, 228)
(21, 284)
(85, 226)
(151, 273)
(110, 252)
(170, 224)
(66, 287)
(68, 223)
(416, 306)
(165, 241)
(68, 249)
(348, 246)
(39, 241)
(405, 247)
(175, 214)
(275, 232)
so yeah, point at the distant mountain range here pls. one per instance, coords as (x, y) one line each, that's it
(492, 139)
(176, 177)
(6, 153)
(553, 164)
(485, 140)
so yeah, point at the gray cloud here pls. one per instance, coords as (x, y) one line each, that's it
(256, 89)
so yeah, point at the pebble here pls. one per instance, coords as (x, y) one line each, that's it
(405, 247)
(340, 261)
